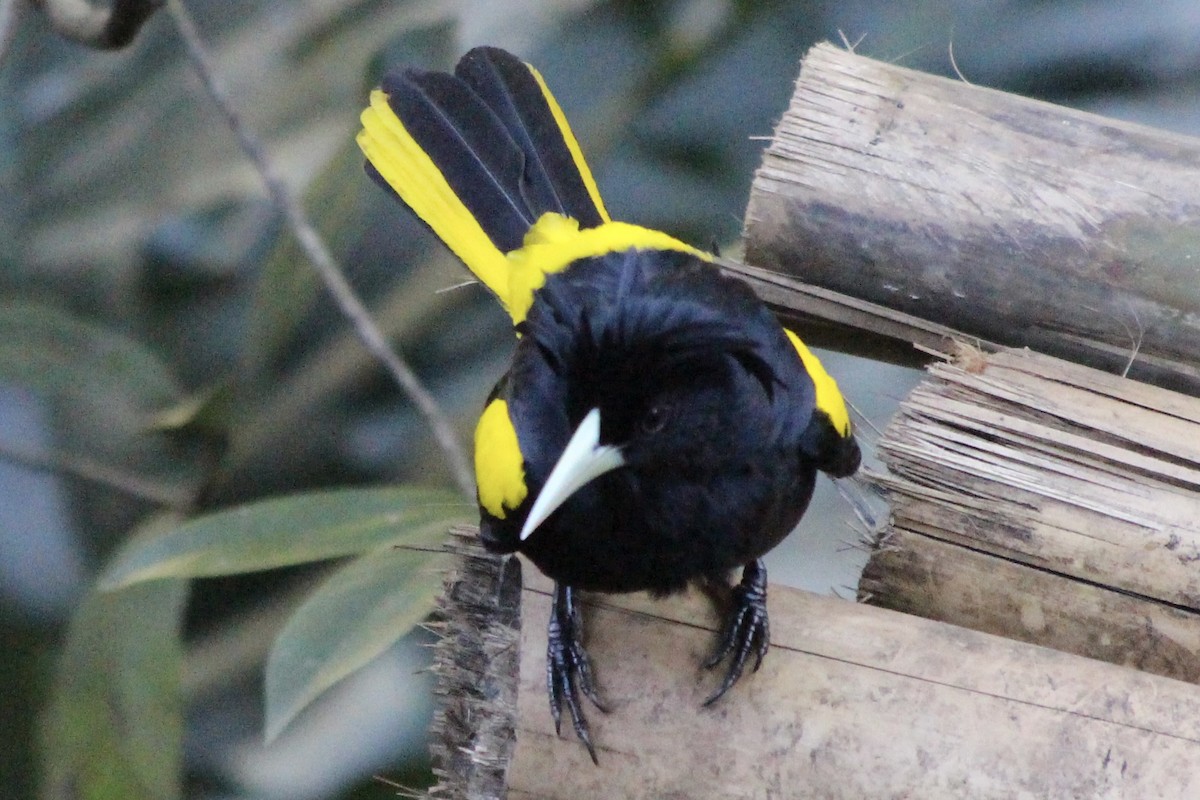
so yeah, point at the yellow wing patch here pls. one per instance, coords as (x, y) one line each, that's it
(555, 242)
(499, 465)
(414, 176)
(829, 398)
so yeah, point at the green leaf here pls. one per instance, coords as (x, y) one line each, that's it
(357, 614)
(103, 390)
(291, 530)
(64, 358)
(208, 410)
(114, 728)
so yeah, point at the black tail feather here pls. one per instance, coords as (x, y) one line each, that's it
(552, 179)
(470, 146)
(496, 139)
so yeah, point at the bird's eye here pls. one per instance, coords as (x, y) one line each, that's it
(655, 418)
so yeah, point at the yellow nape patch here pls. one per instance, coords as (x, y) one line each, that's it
(829, 398)
(414, 176)
(555, 242)
(499, 465)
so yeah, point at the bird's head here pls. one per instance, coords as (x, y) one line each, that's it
(653, 370)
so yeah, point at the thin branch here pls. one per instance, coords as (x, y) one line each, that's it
(95, 472)
(848, 489)
(97, 26)
(319, 256)
(1137, 340)
(954, 64)
(457, 286)
(865, 419)
(849, 45)
(399, 789)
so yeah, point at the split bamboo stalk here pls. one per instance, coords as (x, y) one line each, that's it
(851, 702)
(1033, 497)
(1047, 502)
(1010, 220)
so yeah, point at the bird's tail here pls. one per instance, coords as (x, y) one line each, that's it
(479, 156)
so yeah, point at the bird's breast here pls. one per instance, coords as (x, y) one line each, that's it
(624, 535)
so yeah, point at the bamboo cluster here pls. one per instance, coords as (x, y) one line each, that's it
(1044, 534)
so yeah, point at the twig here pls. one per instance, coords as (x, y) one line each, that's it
(907, 53)
(954, 64)
(865, 419)
(457, 286)
(9, 14)
(1137, 340)
(103, 474)
(853, 497)
(401, 790)
(849, 45)
(318, 254)
(96, 26)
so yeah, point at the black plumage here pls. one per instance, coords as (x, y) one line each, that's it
(657, 426)
(696, 382)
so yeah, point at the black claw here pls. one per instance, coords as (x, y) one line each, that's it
(568, 670)
(748, 628)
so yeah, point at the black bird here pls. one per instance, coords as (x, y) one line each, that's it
(657, 427)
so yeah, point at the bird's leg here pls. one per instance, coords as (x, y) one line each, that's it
(747, 629)
(568, 670)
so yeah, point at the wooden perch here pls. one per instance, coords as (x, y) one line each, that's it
(1047, 502)
(851, 702)
(1011, 220)
(1034, 498)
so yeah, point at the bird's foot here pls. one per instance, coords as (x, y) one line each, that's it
(747, 629)
(568, 670)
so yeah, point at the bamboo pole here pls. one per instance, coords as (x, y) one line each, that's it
(1008, 219)
(1033, 497)
(1047, 502)
(851, 702)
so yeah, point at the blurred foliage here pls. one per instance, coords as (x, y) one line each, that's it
(174, 357)
(190, 365)
(361, 611)
(115, 724)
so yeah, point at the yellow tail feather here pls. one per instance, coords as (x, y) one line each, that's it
(572, 144)
(416, 178)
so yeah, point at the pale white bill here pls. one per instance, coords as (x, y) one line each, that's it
(583, 460)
